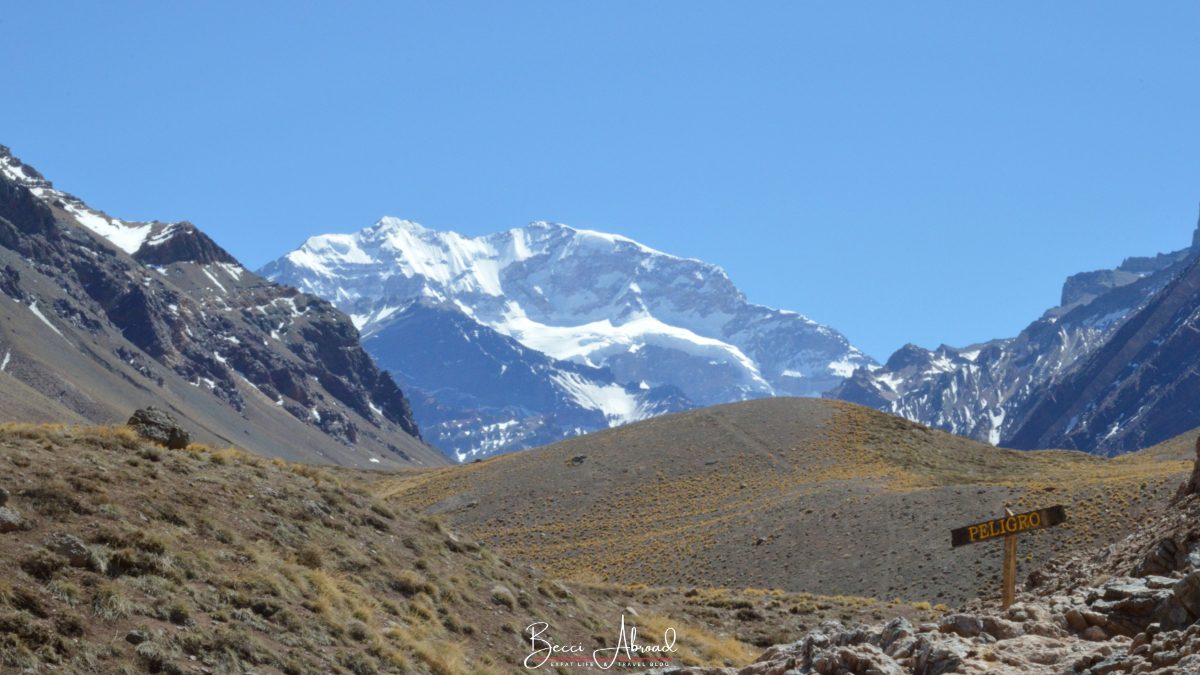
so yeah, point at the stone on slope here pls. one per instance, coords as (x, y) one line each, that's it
(160, 427)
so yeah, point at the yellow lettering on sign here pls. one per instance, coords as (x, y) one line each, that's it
(1035, 519)
(1010, 524)
(1023, 521)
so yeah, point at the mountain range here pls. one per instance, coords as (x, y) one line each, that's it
(1106, 371)
(99, 316)
(523, 338)
(537, 333)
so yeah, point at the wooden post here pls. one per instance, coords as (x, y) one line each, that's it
(1010, 568)
(1008, 526)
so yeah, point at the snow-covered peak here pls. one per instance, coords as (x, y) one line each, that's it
(12, 169)
(449, 263)
(585, 296)
(125, 235)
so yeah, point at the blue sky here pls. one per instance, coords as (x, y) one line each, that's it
(904, 172)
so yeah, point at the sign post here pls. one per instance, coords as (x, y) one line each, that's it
(1010, 568)
(1008, 526)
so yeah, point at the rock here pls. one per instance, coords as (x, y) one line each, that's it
(1187, 592)
(10, 520)
(863, 658)
(1192, 486)
(1075, 620)
(136, 637)
(962, 624)
(1001, 629)
(896, 630)
(4, 495)
(1094, 633)
(1162, 558)
(160, 427)
(937, 658)
(1044, 629)
(70, 547)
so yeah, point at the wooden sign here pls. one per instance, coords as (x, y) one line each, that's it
(1008, 527)
(1009, 524)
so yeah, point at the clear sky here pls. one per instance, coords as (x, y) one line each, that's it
(904, 172)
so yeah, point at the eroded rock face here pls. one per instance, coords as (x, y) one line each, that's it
(1192, 486)
(160, 427)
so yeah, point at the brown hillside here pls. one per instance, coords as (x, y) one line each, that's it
(797, 494)
(121, 557)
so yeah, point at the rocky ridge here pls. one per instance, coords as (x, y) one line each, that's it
(1138, 388)
(989, 391)
(101, 316)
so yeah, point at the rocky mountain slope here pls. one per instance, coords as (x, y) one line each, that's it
(657, 332)
(99, 316)
(1139, 388)
(988, 391)
(803, 495)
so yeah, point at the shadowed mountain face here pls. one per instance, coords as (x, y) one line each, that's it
(99, 316)
(495, 395)
(1141, 387)
(988, 391)
(654, 332)
(807, 495)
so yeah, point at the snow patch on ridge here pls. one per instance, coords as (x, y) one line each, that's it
(38, 313)
(618, 405)
(125, 236)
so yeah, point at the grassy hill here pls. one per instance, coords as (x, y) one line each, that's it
(122, 557)
(797, 494)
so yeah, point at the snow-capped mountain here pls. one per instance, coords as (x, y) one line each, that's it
(100, 316)
(637, 319)
(987, 391)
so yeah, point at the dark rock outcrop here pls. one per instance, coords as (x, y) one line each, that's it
(182, 242)
(160, 427)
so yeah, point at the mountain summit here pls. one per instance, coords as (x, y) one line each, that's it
(640, 322)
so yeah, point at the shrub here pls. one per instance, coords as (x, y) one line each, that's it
(503, 596)
(309, 556)
(409, 583)
(109, 603)
(42, 564)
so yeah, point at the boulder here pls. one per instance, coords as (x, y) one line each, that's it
(70, 547)
(160, 427)
(10, 520)
(962, 624)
